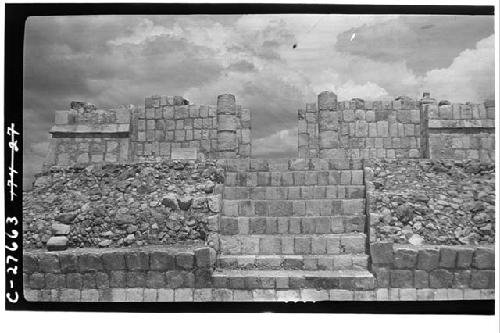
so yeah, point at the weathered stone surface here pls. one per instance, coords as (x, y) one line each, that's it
(484, 258)
(137, 261)
(59, 229)
(428, 259)
(205, 257)
(89, 262)
(382, 252)
(440, 278)
(57, 243)
(113, 261)
(184, 260)
(405, 258)
(402, 279)
(161, 261)
(49, 263)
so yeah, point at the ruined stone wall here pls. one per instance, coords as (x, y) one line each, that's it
(403, 128)
(86, 135)
(359, 129)
(462, 131)
(166, 123)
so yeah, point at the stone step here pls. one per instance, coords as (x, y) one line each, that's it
(232, 225)
(312, 164)
(294, 262)
(353, 243)
(293, 279)
(294, 178)
(294, 192)
(314, 207)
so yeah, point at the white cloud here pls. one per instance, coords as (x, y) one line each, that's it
(470, 77)
(280, 144)
(369, 90)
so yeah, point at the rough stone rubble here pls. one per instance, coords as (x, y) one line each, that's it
(433, 202)
(122, 205)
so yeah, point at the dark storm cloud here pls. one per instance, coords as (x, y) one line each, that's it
(425, 42)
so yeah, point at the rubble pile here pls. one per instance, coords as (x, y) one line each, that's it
(120, 205)
(433, 202)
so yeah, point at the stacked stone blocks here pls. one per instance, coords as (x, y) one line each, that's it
(85, 134)
(119, 268)
(433, 267)
(168, 122)
(304, 215)
(462, 131)
(403, 128)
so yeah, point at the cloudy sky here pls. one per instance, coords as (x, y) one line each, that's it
(113, 60)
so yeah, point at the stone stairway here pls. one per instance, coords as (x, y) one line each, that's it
(293, 224)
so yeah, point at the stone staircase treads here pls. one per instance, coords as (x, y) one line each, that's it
(315, 207)
(294, 178)
(294, 192)
(294, 262)
(298, 164)
(293, 244)
(291, 279)
(335, 224)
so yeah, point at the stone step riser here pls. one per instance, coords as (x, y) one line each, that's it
(277, 208)
(291, 225)
(313, 164)
(294, 178)
(295, 192)
(293, 244)
(294, 262)
(266, 280)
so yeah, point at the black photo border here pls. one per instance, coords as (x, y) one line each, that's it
(15, 19)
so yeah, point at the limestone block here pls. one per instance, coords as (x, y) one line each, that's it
(405, 258)
(382, 129)
(328, 120)
(328, 139)
(226, 141)
(445, 112)
(122, 116)
(327, 100)
(370, 116)
(428, 259)
(401, 278)
(226, 104)
(227, 122)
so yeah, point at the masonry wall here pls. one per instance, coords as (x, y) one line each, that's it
(359, 129)
(162, 126)
(85, 134)
(403, 128)
(462, 131)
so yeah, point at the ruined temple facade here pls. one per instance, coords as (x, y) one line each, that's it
(85, 134)
(403, 128)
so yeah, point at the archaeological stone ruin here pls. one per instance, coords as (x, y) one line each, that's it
(386, 200)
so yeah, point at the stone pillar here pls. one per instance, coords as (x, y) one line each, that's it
(227, 140)
(425, 104)
(328, 125)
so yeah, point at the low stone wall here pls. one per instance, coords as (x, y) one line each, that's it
(119, 205)
(431, 201)
(102, 269)
(433, 267)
